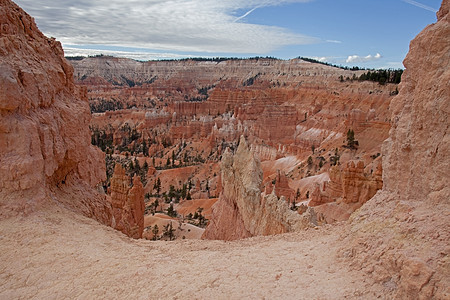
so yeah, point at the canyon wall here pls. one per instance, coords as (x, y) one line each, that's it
(405, 226)
(418, 142)
(44, 136)
(348, 188)
(242, 211)
(196, 109)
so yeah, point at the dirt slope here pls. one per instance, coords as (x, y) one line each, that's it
(55, 254)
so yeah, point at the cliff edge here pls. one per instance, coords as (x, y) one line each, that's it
(401, 236)
(45, 146)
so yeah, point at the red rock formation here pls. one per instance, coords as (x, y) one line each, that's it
(292, 114)
(128, 203)
(278, 122)
(151, 171)
(350, 187)
(405, 226)
(44, 136)
(281, 185)
(241, 210)
(420, 117)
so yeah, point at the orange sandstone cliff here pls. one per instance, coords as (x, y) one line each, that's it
(348, 188)
(45, 143)
(401, 236)
(44, 137)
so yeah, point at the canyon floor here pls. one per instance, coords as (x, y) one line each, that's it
(54, 253)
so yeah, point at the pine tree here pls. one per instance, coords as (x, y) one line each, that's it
(131, 166)
(171, 212)
(156, 204)
(171, 192)
(137, 167)
(158, 186)
(155, 232)
(351, 143)
(293, 207)
(144, 148)
(184, 191)
(169, 231)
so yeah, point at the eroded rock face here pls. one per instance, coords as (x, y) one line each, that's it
(198, 109)
(44, 118)
(128, 203)
(241, 210)
(405, 226)
(418, 142)
(347, 190)
(281, 185)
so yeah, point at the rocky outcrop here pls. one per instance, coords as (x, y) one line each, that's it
(242, 211)
(128, 203)
(280, 186)
(349, 187)
(44, 118)
(405, 226)
(418, 142)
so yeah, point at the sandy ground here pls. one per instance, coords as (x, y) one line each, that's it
(56, 254)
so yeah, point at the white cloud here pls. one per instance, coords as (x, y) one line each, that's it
(174, 25)
(417, 4)
(137, 55)
(246, 14)
(326, 59)
(361, 59)
(334, 41)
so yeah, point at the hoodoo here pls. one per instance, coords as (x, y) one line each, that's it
(242, 211)
(128, 203)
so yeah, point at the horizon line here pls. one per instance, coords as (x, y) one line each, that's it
(219, 59)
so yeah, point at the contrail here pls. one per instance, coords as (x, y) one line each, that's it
(246, 14)
(412, 2)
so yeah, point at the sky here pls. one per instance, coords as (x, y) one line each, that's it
(364, 33)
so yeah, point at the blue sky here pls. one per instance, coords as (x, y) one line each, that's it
(365, 33)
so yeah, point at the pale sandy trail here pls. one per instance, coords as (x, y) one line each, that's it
(56, 254)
